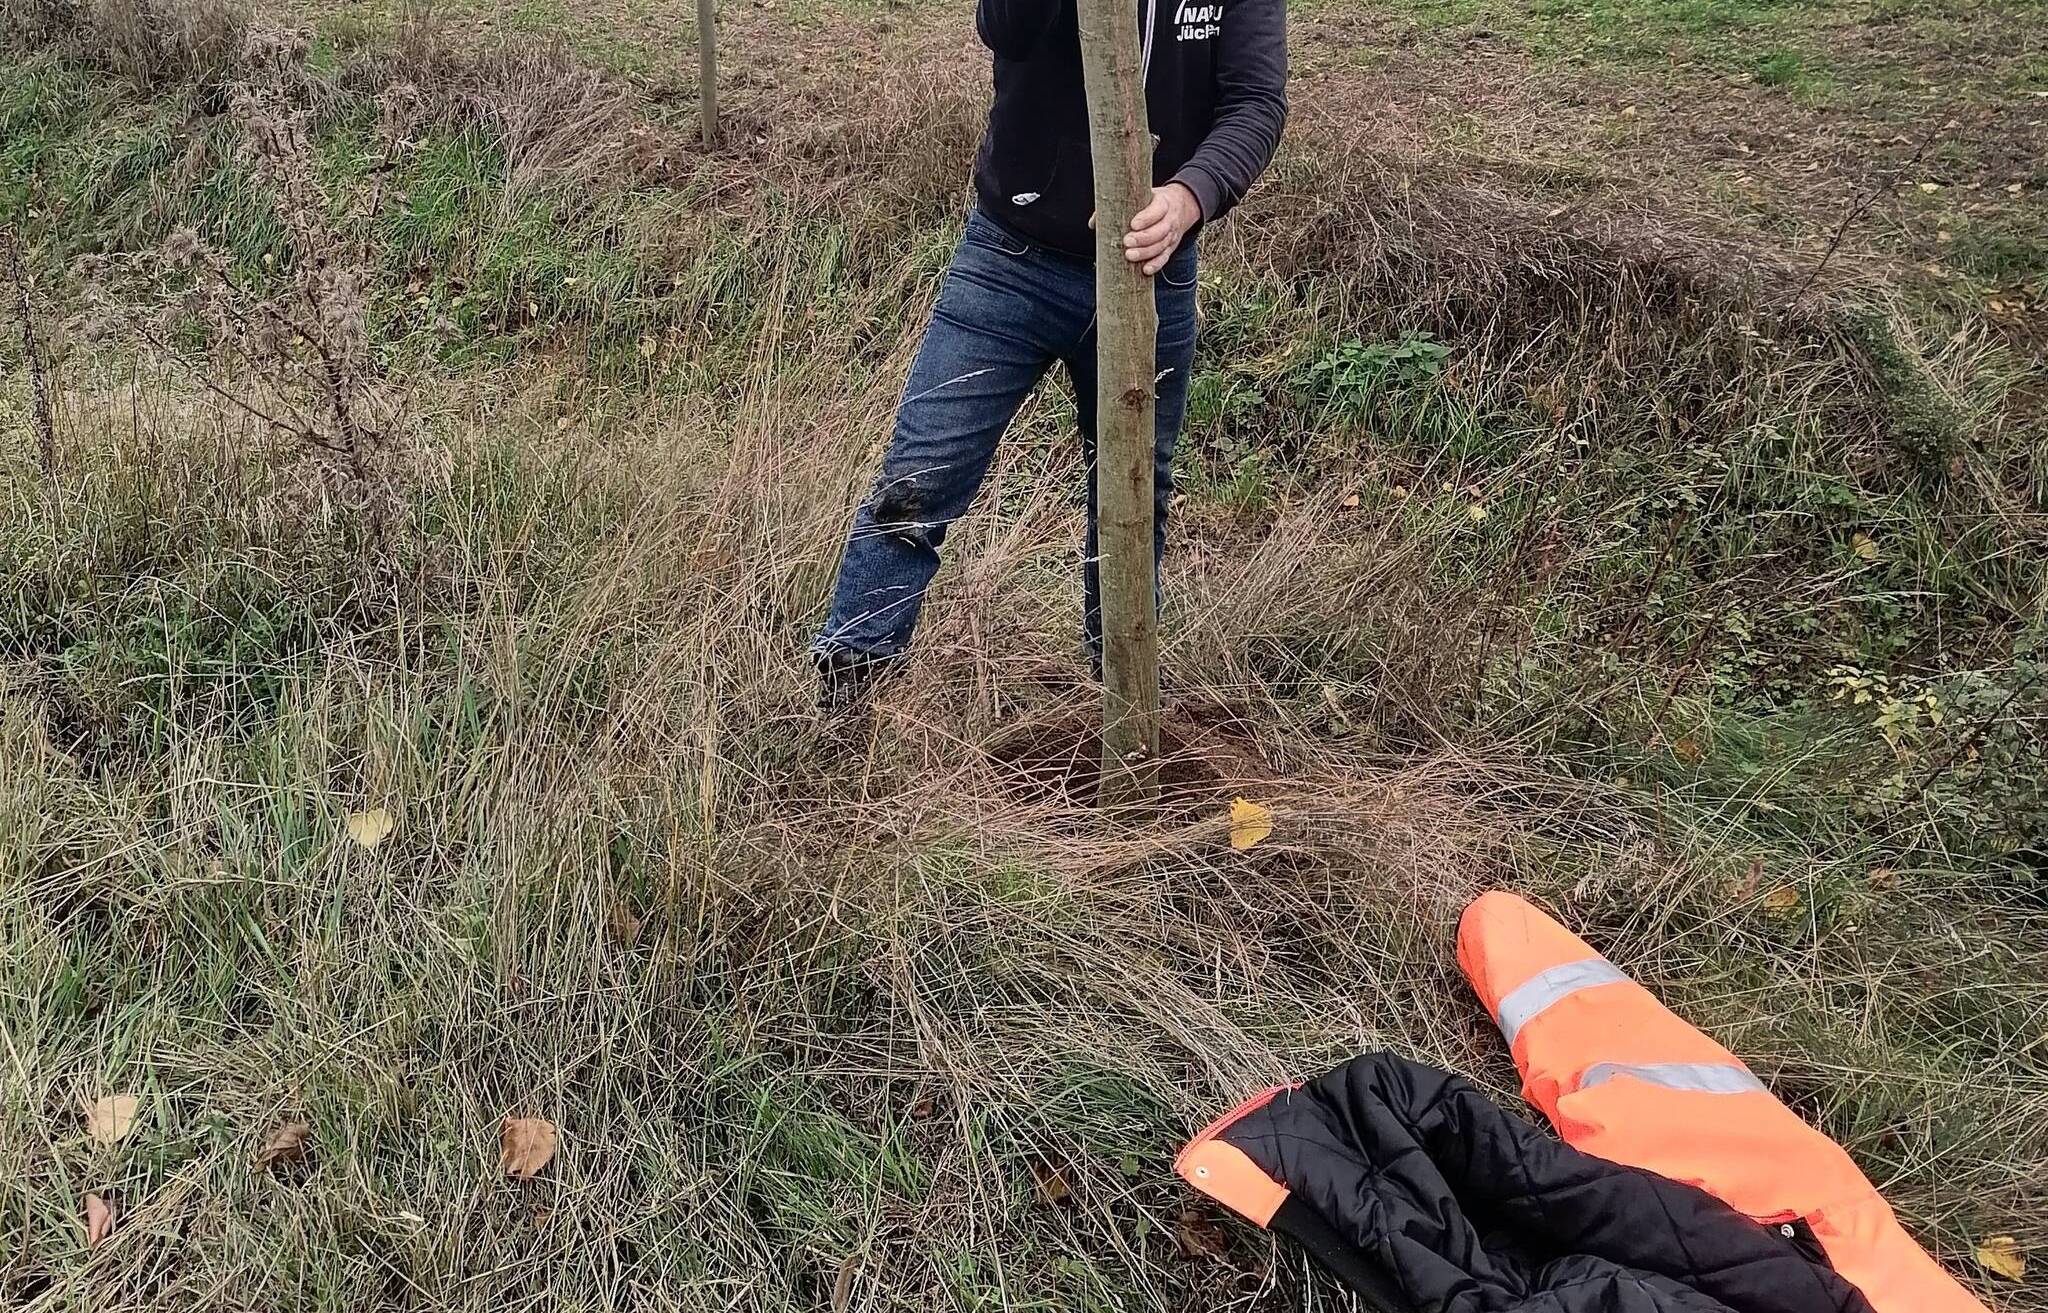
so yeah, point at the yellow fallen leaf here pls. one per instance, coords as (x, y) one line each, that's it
(99, 1221)
(647, 347)
(1250, 824)
(526, 1145)
(1782, 900)
(1350, 503)
(111, 1118)
(1930, 186)
(1864, 546)
(370, 828)
(1476, 511)
(2002, 1254)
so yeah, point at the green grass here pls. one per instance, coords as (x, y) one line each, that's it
(821, 1009)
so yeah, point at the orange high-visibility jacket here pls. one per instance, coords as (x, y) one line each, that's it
(1621, 1077)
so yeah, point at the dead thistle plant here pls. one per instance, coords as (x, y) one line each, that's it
(293, 347)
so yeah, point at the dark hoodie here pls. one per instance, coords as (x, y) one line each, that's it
(1215, 92)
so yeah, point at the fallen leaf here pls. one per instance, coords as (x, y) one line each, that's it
(1745, 888)
(1686, 750)
(1197, 1236)
(99, 1221)
(286, 1144)
(111, 1118)
(647, 348)
(1476, 511)
(526, 1145)
(1051, 1181)
(1250, 823)
(2000, 1253)
(625, 927)
(1882, 877)
(1930, 186)
(1401, 492)
(1864, 546)
(370, 828)
(1781, 900)
(842, 1285)
(1628, 111)
(1350, 503)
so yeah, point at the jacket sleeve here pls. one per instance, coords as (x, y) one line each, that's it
(1251, 105)
(1013, 28)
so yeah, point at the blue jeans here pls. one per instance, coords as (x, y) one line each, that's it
(1008, 311)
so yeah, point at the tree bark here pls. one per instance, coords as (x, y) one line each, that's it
(707, 70)
(1127, 329)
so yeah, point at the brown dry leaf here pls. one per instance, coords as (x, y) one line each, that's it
(370, 828)
(2002, 1254)
(1686, 749)
(1197, 1236)
(286, 1144)
(842, 1285)
(1051, 1181)
(1350, 503)
(625, 927)
(99, 1221)
(109, 1120)
(526, 1145)
(1250, 824)
(1782, 900)
(1746, 887)
(1882, 877)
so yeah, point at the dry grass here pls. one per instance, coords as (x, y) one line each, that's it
(818, 1007)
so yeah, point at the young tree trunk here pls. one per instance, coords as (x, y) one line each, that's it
(1127, 328)
(707, 70)
(40, 416)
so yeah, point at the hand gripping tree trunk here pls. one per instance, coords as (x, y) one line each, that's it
(1126, 330)
(707, 70)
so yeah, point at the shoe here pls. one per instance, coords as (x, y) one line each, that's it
(847, 679)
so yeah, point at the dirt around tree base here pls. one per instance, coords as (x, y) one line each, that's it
(1206, 756)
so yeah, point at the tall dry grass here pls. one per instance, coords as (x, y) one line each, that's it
(823, 1011)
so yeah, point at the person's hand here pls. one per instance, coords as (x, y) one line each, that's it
(1157, 229)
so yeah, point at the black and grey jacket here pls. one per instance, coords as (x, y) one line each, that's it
(1215, 92)
(1420, 1194)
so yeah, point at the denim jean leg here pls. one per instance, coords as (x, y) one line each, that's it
(979, 359)
(1174, 294)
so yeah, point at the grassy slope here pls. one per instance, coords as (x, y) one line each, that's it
(819, 1015)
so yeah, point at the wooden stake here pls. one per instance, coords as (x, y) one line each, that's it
(1126, 332)
(707, 70)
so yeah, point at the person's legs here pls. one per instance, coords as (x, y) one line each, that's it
(987, 345)
(1174, 293)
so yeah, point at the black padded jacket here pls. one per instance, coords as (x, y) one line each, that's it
(1425, 1197)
